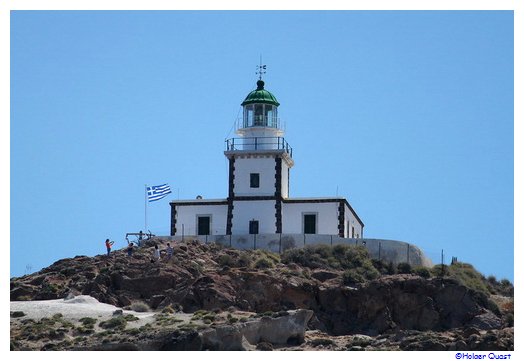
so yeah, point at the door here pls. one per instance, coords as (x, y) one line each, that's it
(310, 223)
(253, 227)
(204, 225)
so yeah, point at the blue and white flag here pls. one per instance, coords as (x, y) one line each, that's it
(154, 193)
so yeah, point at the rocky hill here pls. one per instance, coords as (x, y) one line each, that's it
(319, 298)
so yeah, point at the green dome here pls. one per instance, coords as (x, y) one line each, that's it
(260, 95)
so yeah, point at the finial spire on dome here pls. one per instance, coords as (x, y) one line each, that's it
(261, 69)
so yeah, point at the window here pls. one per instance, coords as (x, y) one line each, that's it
(269, 115)
(248, 115)
(253, 227)
(254, 180)
(204, 225)
(310, 223)
(259, 115)
(352, 232)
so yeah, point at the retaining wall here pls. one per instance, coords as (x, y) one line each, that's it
(383, 249)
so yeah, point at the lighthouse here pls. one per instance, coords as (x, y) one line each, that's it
(258, 202)
(259, 163)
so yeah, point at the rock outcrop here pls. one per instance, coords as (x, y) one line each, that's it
(284, 330)
(210, 277)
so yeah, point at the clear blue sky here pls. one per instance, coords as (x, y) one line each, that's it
(408, 114)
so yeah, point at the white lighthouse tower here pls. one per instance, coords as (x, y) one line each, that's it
(259, 163)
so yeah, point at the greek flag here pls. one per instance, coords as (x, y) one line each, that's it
(154, 193)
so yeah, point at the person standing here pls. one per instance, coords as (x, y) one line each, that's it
(156, 254)
(130, 249)
(169, 251)
(108, 246)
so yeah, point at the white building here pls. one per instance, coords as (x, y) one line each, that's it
(258, 200)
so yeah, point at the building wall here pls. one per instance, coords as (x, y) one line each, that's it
(351, 221)
(285, 183)
(265, 166)
(187, 216)
(263, 211)
(327, 217)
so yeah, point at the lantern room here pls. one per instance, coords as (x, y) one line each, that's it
(260, 108)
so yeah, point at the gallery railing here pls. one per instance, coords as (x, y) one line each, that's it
(259, 143)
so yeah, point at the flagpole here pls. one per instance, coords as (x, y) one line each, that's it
(145, 208)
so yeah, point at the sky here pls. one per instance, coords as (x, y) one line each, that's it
(407, 114)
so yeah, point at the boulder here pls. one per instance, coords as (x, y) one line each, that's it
(486, 321)
(156, 300)
(283, 330)
(21, 292)
(324, 275)
(181, 341)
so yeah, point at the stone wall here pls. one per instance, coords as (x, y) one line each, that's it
(383, 249)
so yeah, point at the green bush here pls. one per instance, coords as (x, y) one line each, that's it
(88, 322)
(226, 260)
(384, 268)
(422, 272)
(334, 262)
(274, 257)
(16, 314)
(351, 277)
(369, 273)
(324, 256)
(505, 283)
(140, 307)
(468, 276)
(439, 270)
(353, 259)
(306, 257)
(133, 331)
(114, 323)
(84, 330)
(130, 318)
(244, 260)
(199, 314)
(404, 268)
(505, 288)
(168, 309)
(264, 262)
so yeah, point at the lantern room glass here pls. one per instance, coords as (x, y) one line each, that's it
(260, 115)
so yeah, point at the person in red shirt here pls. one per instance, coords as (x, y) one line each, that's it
(108, 246)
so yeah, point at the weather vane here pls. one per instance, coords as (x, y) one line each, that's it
(261, 69)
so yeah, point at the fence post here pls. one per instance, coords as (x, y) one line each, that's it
(230, 241)
(280, 244)
(255, 241)
(331, 240)
(442, 262)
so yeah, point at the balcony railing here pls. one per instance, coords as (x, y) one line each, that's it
(258, 121)
(259, 143)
